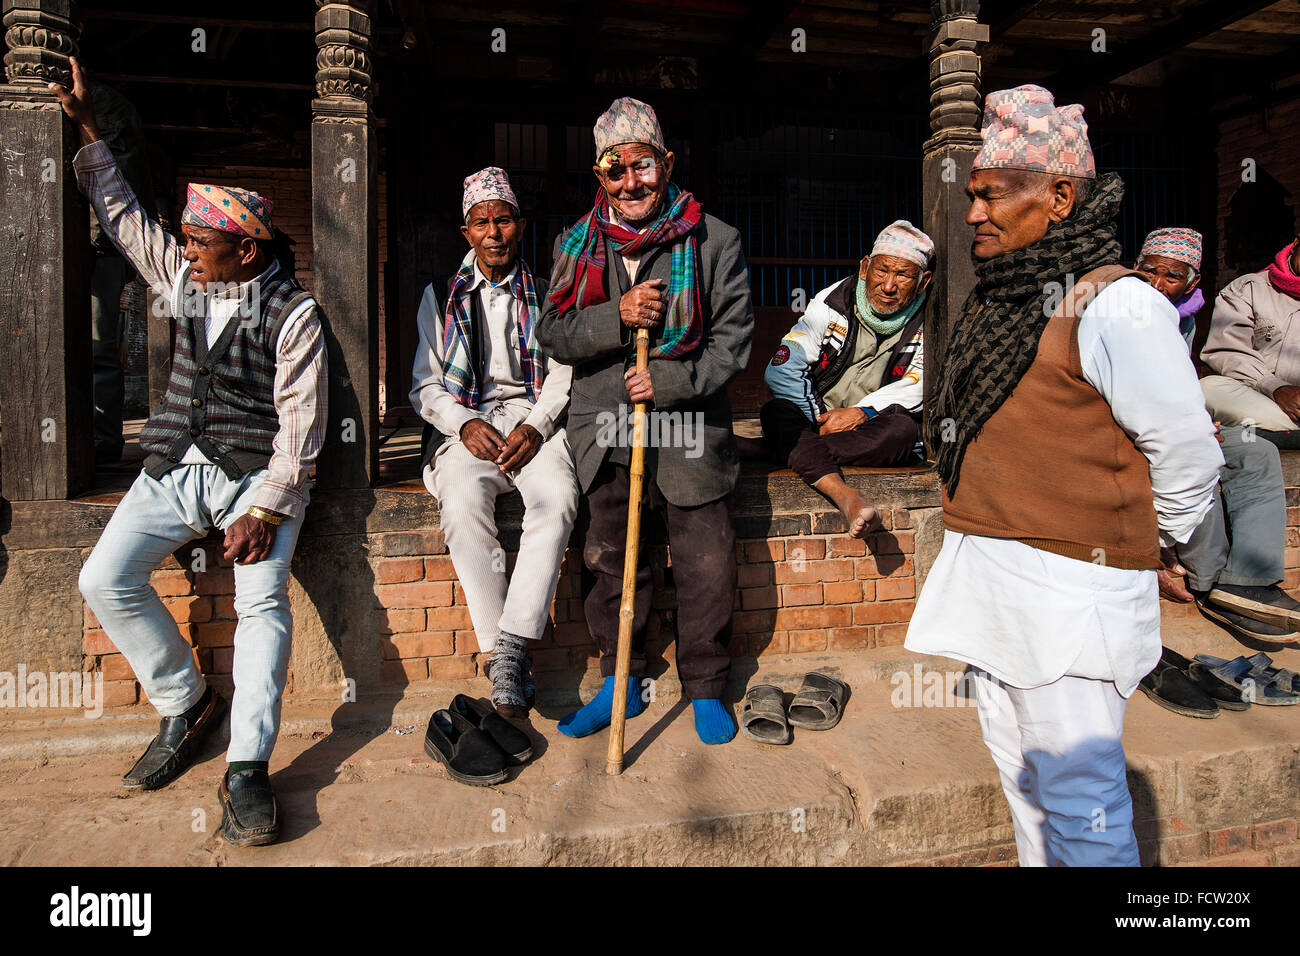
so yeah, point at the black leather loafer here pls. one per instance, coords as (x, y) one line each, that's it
(175, 747)
(250, 814)
(469, 754)
(513, 741)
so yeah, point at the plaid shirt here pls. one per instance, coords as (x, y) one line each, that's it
(301, 398)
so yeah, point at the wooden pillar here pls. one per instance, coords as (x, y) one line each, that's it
(46, 443)
(345, 242)
(954, 127)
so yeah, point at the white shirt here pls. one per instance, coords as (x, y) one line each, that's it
(501, 384)
(1029, 617)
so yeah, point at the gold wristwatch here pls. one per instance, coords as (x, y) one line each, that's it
(261, 514)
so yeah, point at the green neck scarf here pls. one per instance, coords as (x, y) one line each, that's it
(883, 326)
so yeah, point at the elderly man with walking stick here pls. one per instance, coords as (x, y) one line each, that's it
(648, 257)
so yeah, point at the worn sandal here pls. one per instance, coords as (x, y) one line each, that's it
(763, 718)
(819, 704)
(1242, 677)
(1262, 666)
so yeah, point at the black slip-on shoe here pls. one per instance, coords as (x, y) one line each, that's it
(514, 743)
(1267, 603)
(175, 747)
(250, 814)
(1239, 625)
(469, 754)
(1170, 686)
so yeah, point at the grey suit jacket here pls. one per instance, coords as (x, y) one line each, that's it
(599, 347)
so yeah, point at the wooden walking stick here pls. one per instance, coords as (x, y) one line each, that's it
(618, 716)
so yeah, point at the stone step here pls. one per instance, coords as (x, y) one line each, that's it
(891, 784)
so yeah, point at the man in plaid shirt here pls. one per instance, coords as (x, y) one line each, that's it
(230, 447)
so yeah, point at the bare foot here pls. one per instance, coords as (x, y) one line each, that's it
(859, 514)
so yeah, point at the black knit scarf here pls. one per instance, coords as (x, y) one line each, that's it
(996, 337)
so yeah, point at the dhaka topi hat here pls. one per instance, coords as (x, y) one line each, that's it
(1025, 129)
(229, 209)
(485, 185)
(627, 121)
(904, 240)
(1182, 245)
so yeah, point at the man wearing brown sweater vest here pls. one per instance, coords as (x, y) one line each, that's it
(1069, 439)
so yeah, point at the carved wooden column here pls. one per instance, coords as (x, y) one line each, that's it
(345, 242)
(955, 112)
(46, 442)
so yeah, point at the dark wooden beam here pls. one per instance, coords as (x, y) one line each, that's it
(1207, 19)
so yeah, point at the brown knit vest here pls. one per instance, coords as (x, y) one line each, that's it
(1051, 467)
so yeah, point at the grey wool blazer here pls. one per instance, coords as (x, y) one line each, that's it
(599, 347)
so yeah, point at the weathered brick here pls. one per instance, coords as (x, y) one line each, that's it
(890, 635)
(215, 580)
(1229, 840)
(96, 642)
(402, 543)
(449, 618)
(753, 575)
(119, 693)
(813, 572)
(883, 613)
(439, 569)
(902, 518)
(868, 589)
(423, 644)
(806, 549)
(798, 595)
(851, 638)
(1288, 855)
(171, 583)
(843, 546)
(186, 610)
(398, 570)
(1238, 859)
(223, 660)
(572, 633)
(842, 592)
(788, 619)
(399, 620)
(403, 671)
(223, 607)
(891, 589)
(766, 551)
(451, 668)
(752, 599)
(550, 659)
(813, 639)
(767, 645)
(754, 622)
(1183, 848)
(458, 594)
(215, 633)
(1275, 833)
(115, 667)
(466, 642)
(426, 594)
(829, 522)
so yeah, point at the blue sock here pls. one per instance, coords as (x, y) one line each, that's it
(712, 721)
(598, 714)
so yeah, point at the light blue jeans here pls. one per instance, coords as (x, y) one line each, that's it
(152, 521)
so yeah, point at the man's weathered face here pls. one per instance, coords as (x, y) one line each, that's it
(218, 256)
(635, 178)
(1175, 279)
(892, 282)
(1012, 208)
(494, 230)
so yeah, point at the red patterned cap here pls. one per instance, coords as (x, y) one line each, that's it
(1024, 129)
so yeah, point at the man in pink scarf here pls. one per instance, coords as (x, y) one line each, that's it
(1254, 346)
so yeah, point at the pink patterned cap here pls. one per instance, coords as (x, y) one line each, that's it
(229, 209)
(904, 240)
(1181, 245)
(484, 185)
(1024, 129)
(628, 121)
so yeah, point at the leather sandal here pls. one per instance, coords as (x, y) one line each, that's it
(819, 704)
(763, 717)
(174, 749)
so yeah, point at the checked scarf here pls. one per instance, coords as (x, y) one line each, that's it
(458, 373)
(996, 336)
(579, 274)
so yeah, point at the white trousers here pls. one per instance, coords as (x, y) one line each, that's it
(1236, 403)
(467, 488)
(1059, 752)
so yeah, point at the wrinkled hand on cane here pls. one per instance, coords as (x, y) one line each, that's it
(618, 716)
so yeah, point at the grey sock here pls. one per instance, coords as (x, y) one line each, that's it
(509, 670)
